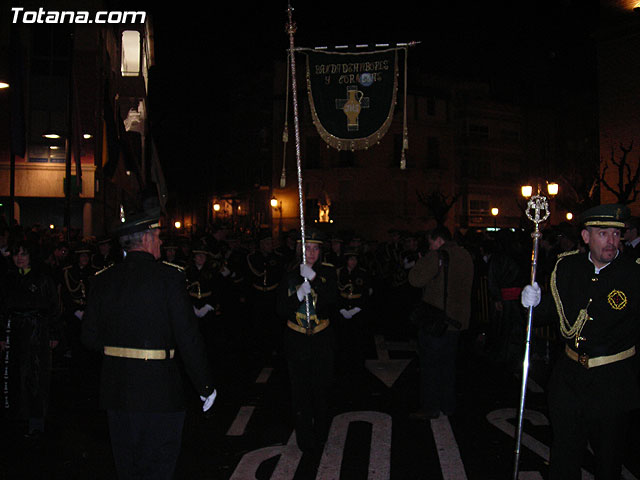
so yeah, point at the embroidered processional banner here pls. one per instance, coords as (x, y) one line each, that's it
(352, 95)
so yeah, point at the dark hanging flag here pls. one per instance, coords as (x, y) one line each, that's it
(110, 142)
(352, 95)
(16, 82)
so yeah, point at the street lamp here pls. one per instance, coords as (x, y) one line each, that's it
(277, 206)
(495, 212)
(527, 190)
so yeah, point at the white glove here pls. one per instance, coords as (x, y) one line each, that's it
(208, 401)
(307, 272)
(354, 311)
(531, 295)
(345, 313)
(303, 290)
(225, 271)
(201, 312)
(408, 264)
(79, 314)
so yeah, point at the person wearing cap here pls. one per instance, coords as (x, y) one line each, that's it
(105, 256)
(139, 315)
(76, 281)
(309, 342)
(264, 274)
(632, 238)
(204, 284)
(335, 254)
(593, 386)
(354, 285)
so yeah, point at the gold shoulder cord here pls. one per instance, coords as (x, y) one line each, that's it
(177, 267)
(567, 330)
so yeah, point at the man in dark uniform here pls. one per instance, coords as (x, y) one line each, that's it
(138, 313)
(264, 272)
(593, 387)
(632, 238)
(76, 282)
(105, 255)
(351, 326)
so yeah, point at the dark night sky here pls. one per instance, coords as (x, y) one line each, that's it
(208, 60)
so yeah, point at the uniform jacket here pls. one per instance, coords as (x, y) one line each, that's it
(427, 275)
(324, 295)
(353, 287)
(142, 303)
(611, 299)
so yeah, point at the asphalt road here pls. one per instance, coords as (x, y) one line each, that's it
(248, 433)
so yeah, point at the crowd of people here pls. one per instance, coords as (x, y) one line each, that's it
(255, 294)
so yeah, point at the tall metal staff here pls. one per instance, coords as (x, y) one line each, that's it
(291, 30)
(537, 211)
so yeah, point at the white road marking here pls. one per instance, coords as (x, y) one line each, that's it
(240, 422)
(380, 456)
(330, 464)
(289, 454)
(450, 461)
(387, 370)
(529, 476)
(264, 375)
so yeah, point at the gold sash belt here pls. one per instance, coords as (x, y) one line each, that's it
(267, 288)
(351, 296)
(318, 328)
(139, 353)
(584, 360)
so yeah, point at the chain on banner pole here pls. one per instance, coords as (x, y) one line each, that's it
(291, 30)
(537, 211)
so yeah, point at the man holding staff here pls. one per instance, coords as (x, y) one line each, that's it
(593, 386)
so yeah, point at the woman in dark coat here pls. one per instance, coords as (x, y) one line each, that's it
(29, 313)
(309, 343)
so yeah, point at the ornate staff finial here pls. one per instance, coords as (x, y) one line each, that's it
(535, 206)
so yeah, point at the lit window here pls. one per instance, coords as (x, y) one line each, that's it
(130, 66)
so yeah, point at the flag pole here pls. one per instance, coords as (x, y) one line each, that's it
(291, 30)
(537, 211)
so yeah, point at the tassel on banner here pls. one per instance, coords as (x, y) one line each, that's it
(405, 131)
(285, 132)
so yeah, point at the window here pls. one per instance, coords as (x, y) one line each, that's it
(479, 207)
(510, 135)
(433, 152)
(431, 106)
(478, 131)
(130, 61)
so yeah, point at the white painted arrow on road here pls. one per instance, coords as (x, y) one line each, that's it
(387, 370)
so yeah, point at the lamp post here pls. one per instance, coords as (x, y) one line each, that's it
(277, 206)
(495, 212)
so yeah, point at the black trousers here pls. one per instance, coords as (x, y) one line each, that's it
(310, 360)
(590, 407)
(145, 445)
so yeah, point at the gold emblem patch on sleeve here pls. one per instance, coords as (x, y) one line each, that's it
(617, 299)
